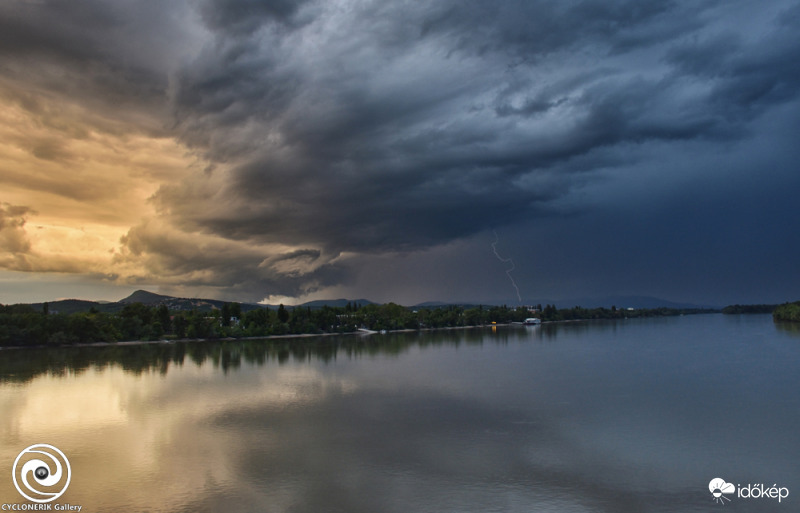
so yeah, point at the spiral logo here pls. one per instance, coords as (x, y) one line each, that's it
(44, 472)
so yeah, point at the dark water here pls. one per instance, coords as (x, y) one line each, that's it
(627, 416)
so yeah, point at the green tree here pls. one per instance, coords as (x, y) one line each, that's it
(179, 325)
(283, 315)
(787, 312)
(225, 314)
(236, 310)
(162, 315)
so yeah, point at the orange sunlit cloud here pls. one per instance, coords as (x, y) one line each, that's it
(74, 183)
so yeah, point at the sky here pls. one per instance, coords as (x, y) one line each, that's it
(284, 151)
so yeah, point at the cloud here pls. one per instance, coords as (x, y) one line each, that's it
(183, 262)
(48, 248)
(442, 122)
(316, 134)
(109, 56)
(14, 241)
(246, 16)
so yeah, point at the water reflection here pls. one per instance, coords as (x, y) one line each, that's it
(789, 327)
(158, 440)
(600, 416)
(22, 365)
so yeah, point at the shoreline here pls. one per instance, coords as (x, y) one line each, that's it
(266, 337)
(360, 332)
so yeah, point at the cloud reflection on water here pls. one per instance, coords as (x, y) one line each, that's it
(569, 418)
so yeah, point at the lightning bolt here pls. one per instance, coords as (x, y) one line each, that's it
(506, 261)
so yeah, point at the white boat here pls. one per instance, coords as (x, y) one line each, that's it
(532, 321)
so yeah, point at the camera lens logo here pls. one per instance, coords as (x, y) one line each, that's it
(44, 472)
(719, 488)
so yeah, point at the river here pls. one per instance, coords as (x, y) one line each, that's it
(620, 416)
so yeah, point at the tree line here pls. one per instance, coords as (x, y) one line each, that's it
(551, 313)
(749, 309)
(22, 325)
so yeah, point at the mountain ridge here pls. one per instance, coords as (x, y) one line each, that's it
(145, 297)
(203, 304)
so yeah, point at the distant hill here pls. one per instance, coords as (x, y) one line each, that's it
(466, 306)
(641, 302)
(181, 303)
(626, 302)
(178, 303)
(336, 303)
(69, 306)
(146, 298)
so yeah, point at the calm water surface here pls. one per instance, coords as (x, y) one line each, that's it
(626, 416)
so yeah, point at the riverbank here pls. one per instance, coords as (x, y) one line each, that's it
(359, 333)
(20, 326)
(290, 336)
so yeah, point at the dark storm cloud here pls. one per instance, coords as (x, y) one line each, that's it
(531, 30)
(405, 127)
(246, 16)
(340, 128)
(746, 77)
(113, 57)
